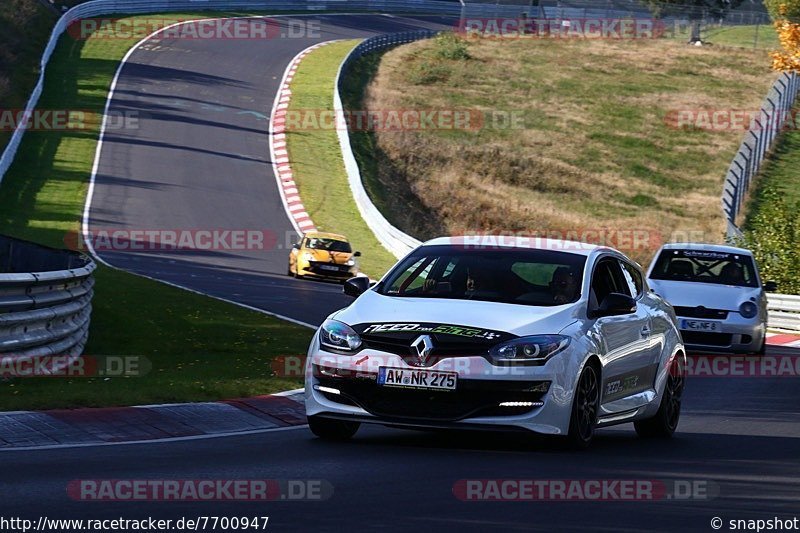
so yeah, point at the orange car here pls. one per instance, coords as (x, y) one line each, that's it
(323, 255)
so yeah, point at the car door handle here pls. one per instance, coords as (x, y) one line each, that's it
(645, 331)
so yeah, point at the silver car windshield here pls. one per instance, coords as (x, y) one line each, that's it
(702, 266)
(508, 275)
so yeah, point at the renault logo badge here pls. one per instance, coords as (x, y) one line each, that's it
(423, 345)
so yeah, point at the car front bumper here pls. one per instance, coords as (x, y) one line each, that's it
(475, 404)
(737, 335)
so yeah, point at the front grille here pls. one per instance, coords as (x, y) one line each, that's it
(472, 398)
(340, 270)
(444, 346)
(706, 338)
(701, 312)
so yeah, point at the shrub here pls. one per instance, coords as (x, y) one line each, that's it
(450, 46)
(773, 234)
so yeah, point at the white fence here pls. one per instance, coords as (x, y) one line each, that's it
(393, 239)
(784, 312)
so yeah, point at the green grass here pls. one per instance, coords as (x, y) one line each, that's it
(200, 349)
(316, 159)
(758, 36)
(781, 171)
(751, 36)
(772, 226)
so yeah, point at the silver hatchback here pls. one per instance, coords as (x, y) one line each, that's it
(717, 294)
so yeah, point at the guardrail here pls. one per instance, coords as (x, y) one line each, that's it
(397, 242)
(758, 141)
(45, 299)
(784, 312)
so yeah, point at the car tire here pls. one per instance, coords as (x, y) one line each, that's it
(328, 429)
(585, 405)
(665, 421)
(763, 349)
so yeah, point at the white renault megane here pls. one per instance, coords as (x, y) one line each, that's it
(554, 337)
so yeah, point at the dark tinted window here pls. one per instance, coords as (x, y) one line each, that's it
(509, 275)
(703, 266)
(328, 244)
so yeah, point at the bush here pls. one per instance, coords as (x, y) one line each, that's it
(450, 46)
(773, 234)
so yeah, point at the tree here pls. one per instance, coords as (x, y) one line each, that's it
(786, 14)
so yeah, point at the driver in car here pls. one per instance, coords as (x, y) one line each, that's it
(563, 286)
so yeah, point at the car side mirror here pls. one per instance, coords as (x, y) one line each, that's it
(296, 246)
(356, 286)
(770, 286)
(357, 254)
(616, 304)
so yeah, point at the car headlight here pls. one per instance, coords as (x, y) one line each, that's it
(308, 256)
(339, 336)
(533, 349)
(748, 309)
(350, 262)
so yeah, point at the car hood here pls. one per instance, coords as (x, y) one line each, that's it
(327, 257)
(709, 295)
(375, 308)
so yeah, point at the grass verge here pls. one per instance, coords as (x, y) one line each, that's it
(593, 144)
(199, 348)
(772, 228)
(316, 158)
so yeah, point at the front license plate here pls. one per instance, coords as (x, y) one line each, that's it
(700, 325)
(416, 379)
(328, 267)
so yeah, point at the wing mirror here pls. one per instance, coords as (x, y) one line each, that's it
(770, 286)
(296, 246)
(356, 286)
(357, 254)
(615, 304)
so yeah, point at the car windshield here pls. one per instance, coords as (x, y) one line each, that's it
(331, 245)
(721, 268)
(508, 275)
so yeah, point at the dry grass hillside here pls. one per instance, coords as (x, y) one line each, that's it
(595, 147)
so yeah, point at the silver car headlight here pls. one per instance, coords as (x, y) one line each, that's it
(350, 262)
(339, 336)
(748, 309)
(535, 349)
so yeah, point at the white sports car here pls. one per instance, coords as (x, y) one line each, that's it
(554, 337)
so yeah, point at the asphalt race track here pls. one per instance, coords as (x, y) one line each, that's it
(741, 435)
(198, 158)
